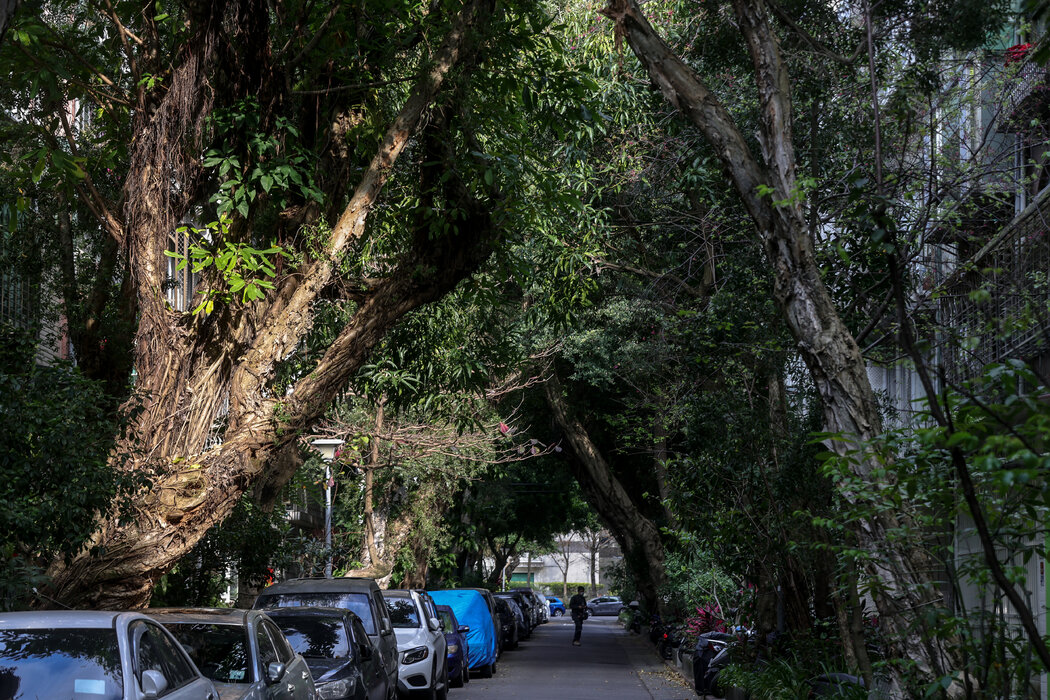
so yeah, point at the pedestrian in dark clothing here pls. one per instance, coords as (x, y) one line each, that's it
(578, 608)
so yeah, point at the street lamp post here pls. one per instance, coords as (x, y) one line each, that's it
(327, 447)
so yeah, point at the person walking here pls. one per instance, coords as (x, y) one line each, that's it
(578, 607)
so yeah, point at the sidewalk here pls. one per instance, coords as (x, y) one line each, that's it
(662, 679)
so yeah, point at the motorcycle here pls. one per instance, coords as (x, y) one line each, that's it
(656, 628)
(669, 642)
(710, 656)
(634, 624)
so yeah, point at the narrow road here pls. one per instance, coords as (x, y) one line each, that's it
(610, 665)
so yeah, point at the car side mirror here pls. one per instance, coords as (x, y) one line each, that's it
(274, 672)
(435, 624)
(463, 629)
(365, 652)
(385, 627)
(153, 684)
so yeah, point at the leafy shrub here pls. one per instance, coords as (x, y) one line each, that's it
(56, 473)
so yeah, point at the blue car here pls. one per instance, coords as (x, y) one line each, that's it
(456, 639)
(557, 607)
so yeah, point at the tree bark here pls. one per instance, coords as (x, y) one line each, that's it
(831, 355)
(639, 538)
(188, 366)
(7, 13)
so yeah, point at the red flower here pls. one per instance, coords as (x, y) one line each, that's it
(1017, 52)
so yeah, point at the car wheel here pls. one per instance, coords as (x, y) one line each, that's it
(559, 613)
(487, 670)
(460, 680)
(466, 673)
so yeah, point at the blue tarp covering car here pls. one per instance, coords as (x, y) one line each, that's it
(472, 610)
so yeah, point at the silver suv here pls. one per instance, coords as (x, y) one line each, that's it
(421, 644)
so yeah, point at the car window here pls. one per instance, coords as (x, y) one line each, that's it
(316, 637)
(60, 663)
(178, 669)
(284, 650)
(220, 651)
(446, 619)
(152, 650)
(356, 602)
(267, 654)
(381, 610)
(403, 613)
(360, 636)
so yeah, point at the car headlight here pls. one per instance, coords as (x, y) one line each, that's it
(336, 690)
(453, 648)
(414, 655)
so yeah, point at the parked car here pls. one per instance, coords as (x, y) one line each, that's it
(521, 609)
(536, 616)
(242, 651)
(556, 606)
(508, 622)
(605, 605)
(545, 608)
(344, 662)
(97, 655)
(359, 595)
(421, 644)
(472, 609)
(456, 640)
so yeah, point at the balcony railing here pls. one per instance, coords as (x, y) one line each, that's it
(1027, 98)
(995, 303)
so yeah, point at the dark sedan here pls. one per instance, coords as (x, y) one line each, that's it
(341, 657)
(521, 612)
(508, 623)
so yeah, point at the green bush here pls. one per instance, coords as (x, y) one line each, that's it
(56, 473)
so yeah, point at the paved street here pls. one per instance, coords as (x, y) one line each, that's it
(611, 665)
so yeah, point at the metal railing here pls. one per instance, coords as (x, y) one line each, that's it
(994, 306)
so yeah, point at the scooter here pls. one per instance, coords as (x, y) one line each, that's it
(656, 628)
(669, 642)
(710, 656)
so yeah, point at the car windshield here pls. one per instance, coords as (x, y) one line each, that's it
(60, 663)
(220, 651)
(403, 613)
(356, 602)
(316, 637)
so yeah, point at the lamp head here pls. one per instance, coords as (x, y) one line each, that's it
(327, 447)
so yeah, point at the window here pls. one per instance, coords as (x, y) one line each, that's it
(220, 651)
(60, 663)
(403, 613)
(317, 637)
(153, 651)
(381, 609)
(361, 639)
(267, 652)
(280, 644)
(356, 602)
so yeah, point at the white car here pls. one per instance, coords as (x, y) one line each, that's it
(422, 650)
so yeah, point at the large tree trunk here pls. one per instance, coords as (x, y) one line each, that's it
(190, 366)
(829, 350)
(639, 537)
